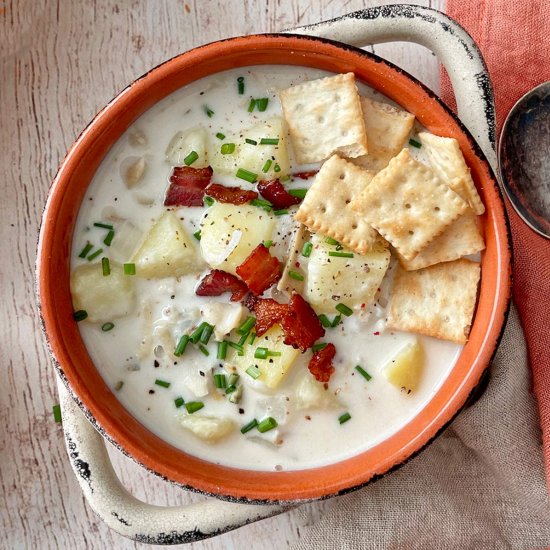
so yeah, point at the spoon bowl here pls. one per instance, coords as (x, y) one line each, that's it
(524, 162)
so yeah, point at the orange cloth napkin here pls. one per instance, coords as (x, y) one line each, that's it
(514, 38)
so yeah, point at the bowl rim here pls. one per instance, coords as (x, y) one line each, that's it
(199, 475)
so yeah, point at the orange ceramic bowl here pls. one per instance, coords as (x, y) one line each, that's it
(102, 407)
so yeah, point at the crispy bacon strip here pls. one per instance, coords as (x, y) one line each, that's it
(260, 270)
(320, 365)
(217, 282)
(232, 195)
(268, 312)
(305, 175)
(276, 194)
(187, 185)
(301, 325)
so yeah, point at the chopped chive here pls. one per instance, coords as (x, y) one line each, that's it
(240, 85)
(341, 254)
(252, 338)
(129, 269)
(197, 235)
(262, 103)
(119, 385)
(85, 250)
(106, 327)
(235, 396)
(230, 389)
(280, 212)
(336, 321)
(415, 143)
(318, 347)
(267, 244)
(80, 315)
(306, 249)
(233, 379)
(95, 254)
(344, 310)
(194, 406)
(363, 372)
(274, 353)
(261, 203)
(251, 105)
(162, 383)
(103, 225)
(276, 168)
(219, 135)
(109, 237)
(253, 371)
(191, 158)
(206, 334)
(300, 193)
(222, 350)
(220, 381)
(242, 339)
(197, 333)
(250, 426)
(284, 178)
(105, 266)
(267, 424)
(236, 346)
(203, 350)
(182, 344)
(57, 414)
(179, 402)
(246, 327)
(269, 141)
(325, 321)
(209, 112)
(295, 275)
(267, 165)
(251, 141)
(344, 418)
(227, 148)
(330, 240)
(208, 200)
(261, 353)
(250, 177)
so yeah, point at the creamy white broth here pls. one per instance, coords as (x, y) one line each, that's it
(167, 308)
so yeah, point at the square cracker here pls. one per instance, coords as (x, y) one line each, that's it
(324, 116)
(460, 238)
(326, 207)
(388, 130)
(437, 301)
(408, 204)
(448, 163)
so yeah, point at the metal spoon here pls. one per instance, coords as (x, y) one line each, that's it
(524, 158)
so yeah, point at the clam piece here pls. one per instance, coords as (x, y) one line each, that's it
(135, 172)
(137, 138)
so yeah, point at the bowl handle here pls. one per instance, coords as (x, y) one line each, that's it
(90, 462)
(454, 47)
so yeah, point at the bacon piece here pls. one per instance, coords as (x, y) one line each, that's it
(233, 195)
(218, 282)
(305, 175)
(320, 365)
(187, 185)
(268, 312)
(301, 325)
(276, 194)
(260, 270)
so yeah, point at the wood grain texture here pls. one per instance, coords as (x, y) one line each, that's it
(60, 62)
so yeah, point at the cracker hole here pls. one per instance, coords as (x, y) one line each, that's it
(348, 201)
(437, 209)
(320, 119)
(342, 176)
(407, 205)
(354, 226)
(411, 232)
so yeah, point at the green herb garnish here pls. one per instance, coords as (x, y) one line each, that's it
(191, 158)
(246, 175)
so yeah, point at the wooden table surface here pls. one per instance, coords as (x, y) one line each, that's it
(61, 61)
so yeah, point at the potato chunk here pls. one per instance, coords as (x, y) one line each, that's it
(253, 157)
(103, 298)
(167, 251)
(311, 394)
(183, 143)
(229, 233)
(274, 368)
(208, 428)
(351, 281)
(405, 369)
